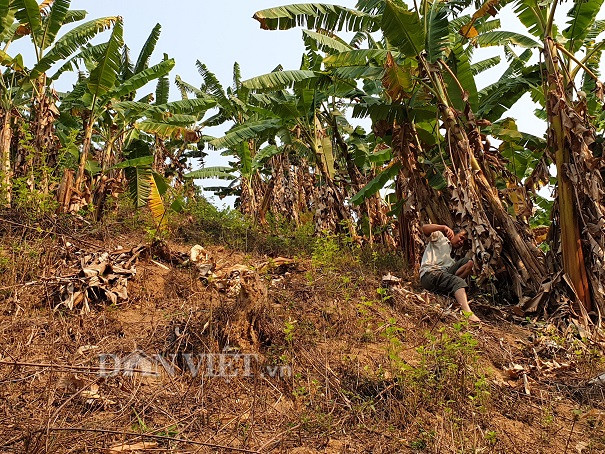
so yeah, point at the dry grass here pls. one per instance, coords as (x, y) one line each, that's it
(370, 372)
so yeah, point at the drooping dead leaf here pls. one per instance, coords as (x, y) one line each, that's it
(540, 234)
(531, 305)
(156, 204)
(46, 4)
(489, 7)
(469, 31)
(519, 199)
(397, 80)
(22, 30)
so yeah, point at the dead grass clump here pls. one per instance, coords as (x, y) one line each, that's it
(238, 315)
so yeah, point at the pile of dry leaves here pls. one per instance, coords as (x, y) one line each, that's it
(102, 277)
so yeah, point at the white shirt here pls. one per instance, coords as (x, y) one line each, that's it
(437, 255)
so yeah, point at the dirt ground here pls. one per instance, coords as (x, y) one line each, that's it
(244, 353)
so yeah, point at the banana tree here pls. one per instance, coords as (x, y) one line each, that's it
(360, 154)
(101, 80)
(344, 62)
(42, 23)
(305, 137)
(569, 57)
(259, 119)
(166, 127)
(12, 102)
(105, 97)
(443, 65)
(311, 99)
(249, 130)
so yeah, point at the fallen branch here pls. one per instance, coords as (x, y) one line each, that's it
(90, 369)
(47, 280)
(156, 437)
(161, 265)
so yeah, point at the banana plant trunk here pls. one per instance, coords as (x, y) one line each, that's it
(293, 188)
(574, 264)
(253, 189)
(503, 249)
(107, 155)
(5, 158)
(266, 202)
(84, 154)
(331, 213)
(412, 189)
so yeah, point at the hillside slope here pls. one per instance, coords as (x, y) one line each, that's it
(239, 351)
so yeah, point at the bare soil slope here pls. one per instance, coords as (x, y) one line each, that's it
(243, 352)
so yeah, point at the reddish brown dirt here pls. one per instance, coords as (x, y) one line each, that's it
(353, 377)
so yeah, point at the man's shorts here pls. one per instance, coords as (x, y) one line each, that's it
(445, 282)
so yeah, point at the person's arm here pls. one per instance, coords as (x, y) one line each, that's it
(428, 229)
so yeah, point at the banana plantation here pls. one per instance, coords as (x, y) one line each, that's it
(437, 149)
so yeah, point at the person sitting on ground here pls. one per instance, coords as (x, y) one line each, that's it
(439, 272)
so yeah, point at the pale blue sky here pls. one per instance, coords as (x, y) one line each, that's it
(217, 33)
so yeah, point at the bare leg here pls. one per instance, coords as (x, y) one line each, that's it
(460, 296)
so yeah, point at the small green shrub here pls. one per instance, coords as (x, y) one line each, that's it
(289, 327)
(5, 262)
(216, 226)
(32, 189)
(333, 253)
(381, 259)
(449, 366)
(326, 252)
(448, 371)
